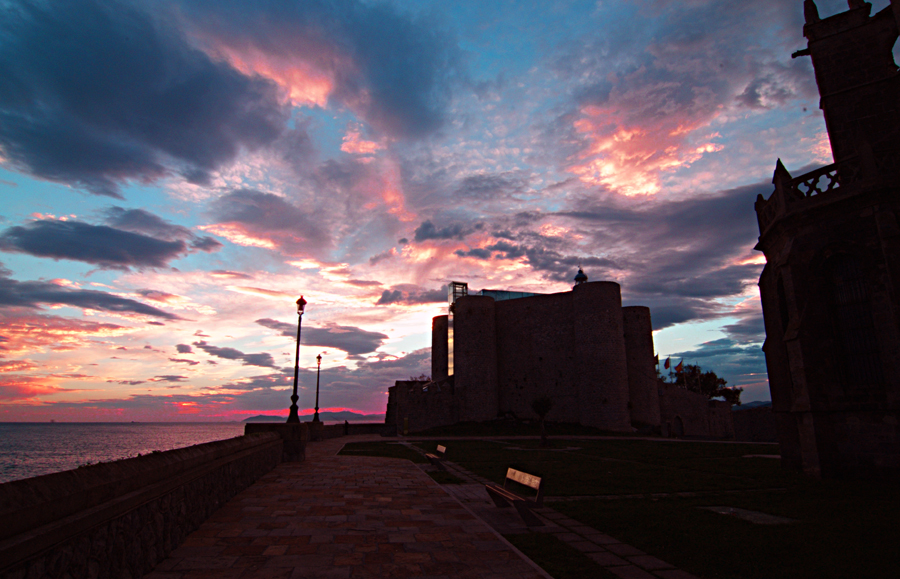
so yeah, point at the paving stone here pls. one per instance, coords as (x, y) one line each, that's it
(623, 549)
(649, 562)
(675, 574)
(607, 559)
(586, 546)
(630, 572)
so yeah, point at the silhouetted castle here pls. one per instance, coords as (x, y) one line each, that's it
(832, 245)
(496, 352)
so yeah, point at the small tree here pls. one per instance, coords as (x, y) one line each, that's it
(693, 378)
(541, 407)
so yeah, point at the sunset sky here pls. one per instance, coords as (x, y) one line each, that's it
(175, 174)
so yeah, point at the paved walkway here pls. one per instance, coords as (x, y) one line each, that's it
(345, 517)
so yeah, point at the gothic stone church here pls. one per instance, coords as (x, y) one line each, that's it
(831, 285)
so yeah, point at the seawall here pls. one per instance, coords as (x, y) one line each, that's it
(121, 518)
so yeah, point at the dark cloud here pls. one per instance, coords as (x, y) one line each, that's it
(269, 216)
(487, 186)
(393, 70)
(169, 378)
(97, 244)
(99, 93)
(263, 360)
(350, 339)
(184, 361)
(750, 329)
(34, 294)
(428, 231)
(407, 294)
(184, 349)
(131, 238)
(744, 363)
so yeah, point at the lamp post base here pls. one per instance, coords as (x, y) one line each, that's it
(293, 417)
(316, 417)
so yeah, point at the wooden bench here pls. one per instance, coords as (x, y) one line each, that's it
(437, 458)
(503, 497)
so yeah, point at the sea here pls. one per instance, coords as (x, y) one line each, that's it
(33, 449)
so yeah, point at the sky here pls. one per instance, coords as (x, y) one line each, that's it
(174, 174)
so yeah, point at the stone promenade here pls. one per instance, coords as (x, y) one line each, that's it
(345, 517)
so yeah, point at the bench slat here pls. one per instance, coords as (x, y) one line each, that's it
(524, 478)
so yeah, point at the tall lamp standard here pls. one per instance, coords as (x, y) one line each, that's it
(318, 370)
(292, 417)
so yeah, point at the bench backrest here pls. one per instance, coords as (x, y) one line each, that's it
(442, 450)
(528, 480)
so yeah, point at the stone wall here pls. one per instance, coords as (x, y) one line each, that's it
(414, 406)
(121, 518)
(687, 413)
(642, 391)
(600, 356)
(535, 356)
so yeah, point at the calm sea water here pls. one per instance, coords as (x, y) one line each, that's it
(33, 449)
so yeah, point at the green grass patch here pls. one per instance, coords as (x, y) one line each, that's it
(557, 558)
(842, 530)
(514, 428)
(384, 449)
(621, 467)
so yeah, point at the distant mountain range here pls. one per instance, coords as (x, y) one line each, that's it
(323, 416)
(746, 406)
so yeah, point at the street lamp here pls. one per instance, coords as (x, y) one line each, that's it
(318, 370)
(292, 417)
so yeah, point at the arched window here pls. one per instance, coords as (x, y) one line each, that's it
(854, 325)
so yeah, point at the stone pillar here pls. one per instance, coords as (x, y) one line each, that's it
(475, 357)
(439, 368)
(601, 365)
(642, 389)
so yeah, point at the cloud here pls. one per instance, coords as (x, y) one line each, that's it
(22, 388)
(263, 360)
(355, 341)
(253, 218)
(96, 94)
(394, 71)
(134, 238)
(184, 361)
(183, 349)
(428, 231)
(34, 294)
(407, 294)
(649, 97)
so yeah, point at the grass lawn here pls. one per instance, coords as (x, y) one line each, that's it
(621, 467)
(630, 491)
(843, 529)
(557, 558)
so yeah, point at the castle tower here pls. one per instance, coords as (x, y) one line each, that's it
(830, 289)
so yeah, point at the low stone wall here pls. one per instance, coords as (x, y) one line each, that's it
(121, 518)
(294, 435)
(755, 425)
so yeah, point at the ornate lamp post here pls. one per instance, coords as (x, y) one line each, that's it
(292, 417)
(318, 370)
